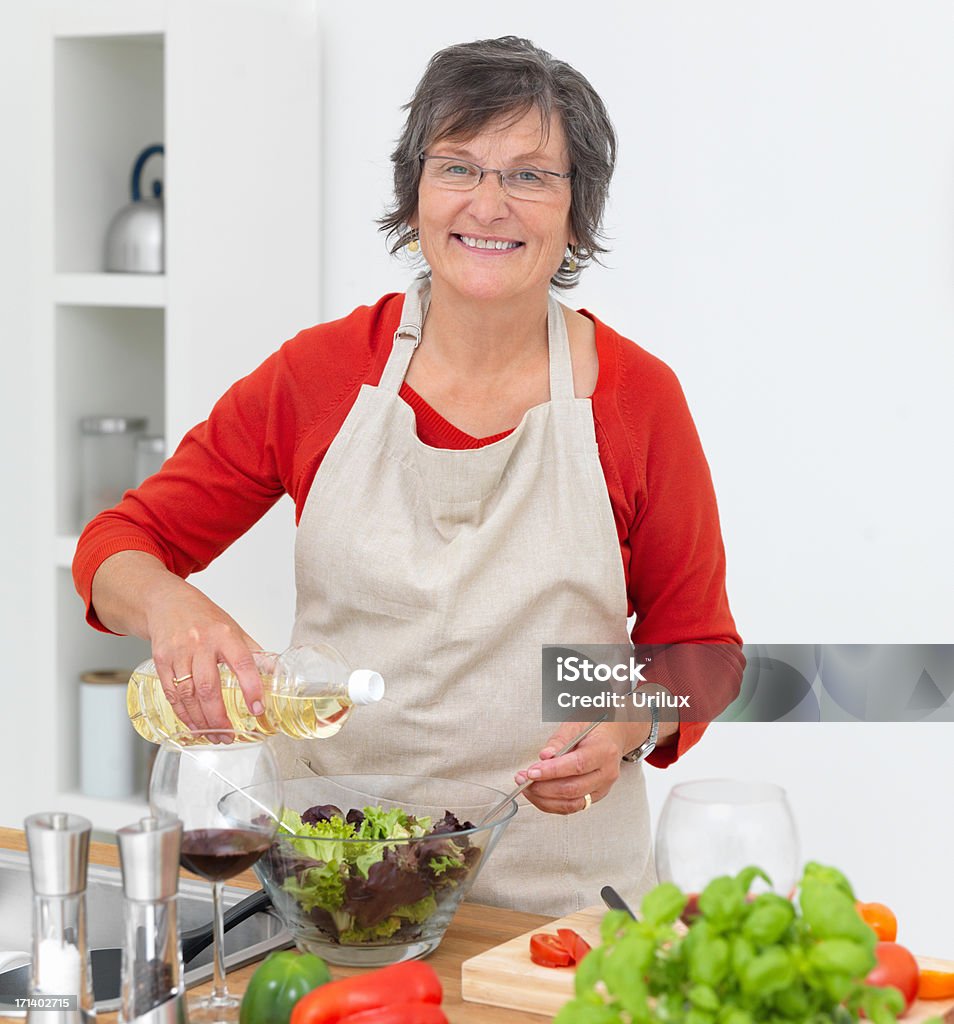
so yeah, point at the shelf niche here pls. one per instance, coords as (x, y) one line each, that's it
(118, 355)
(108, 107)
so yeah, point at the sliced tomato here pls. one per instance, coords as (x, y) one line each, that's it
(574, 944)
(548, 951)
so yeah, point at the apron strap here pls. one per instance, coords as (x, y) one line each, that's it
(408, 336)
(561, 368)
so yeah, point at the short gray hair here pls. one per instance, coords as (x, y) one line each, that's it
(466, 87)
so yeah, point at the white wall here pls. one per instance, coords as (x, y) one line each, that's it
(783, 225)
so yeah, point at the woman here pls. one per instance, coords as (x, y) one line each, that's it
(478, 470)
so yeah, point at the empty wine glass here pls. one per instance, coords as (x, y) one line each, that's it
(204, 778)
(714, 827)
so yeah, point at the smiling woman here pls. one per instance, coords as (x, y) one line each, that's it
(478, 470)
(502, 236)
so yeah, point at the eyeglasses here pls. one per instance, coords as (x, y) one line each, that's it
(448, 172)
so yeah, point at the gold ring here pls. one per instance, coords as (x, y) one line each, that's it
(181, 679)
(587, 800)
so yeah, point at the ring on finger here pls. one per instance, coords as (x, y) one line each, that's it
(587, 800)
(176, 680)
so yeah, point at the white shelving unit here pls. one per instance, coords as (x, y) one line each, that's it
(231, 89)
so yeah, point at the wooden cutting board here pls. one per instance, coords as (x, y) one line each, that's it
(506, 976)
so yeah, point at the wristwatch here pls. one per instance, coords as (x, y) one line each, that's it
(649, 744)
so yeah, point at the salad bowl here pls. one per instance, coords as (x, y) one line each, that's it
(368, 870)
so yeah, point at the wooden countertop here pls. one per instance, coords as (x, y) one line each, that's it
(474, 929)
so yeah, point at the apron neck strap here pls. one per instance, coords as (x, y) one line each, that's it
(561, 368)
(408, 336)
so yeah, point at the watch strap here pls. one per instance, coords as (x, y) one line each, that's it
(645, 748)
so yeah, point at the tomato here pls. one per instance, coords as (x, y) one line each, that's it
(880, 918)
(936, 980)
(548, 951)
(574, 944)
(896, 967)
(561, 950)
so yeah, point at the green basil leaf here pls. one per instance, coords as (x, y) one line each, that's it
(815, 872)
(891, 996)
(709, 961)
(735, 1015)
(722, 901)
(794, 1002)
(748, 875)
(741, 951)
(837, 986)
(589, 970)
(695, 1016)
(624, 983)
(768, 919)
(637, 951)
(876, 1006)
(703, 997)
(614, 923)
(841, 956)
(768, 972)
(663, 904)
(578, 1011)
(831, 914)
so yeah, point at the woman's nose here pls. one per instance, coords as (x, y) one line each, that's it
(489, 199)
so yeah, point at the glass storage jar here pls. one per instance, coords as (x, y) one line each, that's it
(107, 461)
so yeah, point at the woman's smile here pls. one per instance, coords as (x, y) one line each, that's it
(485, 246)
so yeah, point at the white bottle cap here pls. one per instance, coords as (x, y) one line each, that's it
(365, 686)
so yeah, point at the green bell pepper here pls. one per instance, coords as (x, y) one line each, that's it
(278, 983)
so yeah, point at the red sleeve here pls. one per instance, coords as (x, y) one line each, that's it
(264, 438)
(665, 508)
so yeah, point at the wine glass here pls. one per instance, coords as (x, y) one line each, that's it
(204, 778)
(714, 827)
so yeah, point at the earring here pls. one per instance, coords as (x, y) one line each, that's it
(570, 259)
(414, 244)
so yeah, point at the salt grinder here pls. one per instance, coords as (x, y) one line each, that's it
(152, 975)
(59, 858)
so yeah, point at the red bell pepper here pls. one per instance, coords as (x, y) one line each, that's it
(399, 1013)
(406, 983)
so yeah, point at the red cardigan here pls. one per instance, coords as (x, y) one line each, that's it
(269, 432)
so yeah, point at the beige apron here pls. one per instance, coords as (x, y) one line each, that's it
(447, 571)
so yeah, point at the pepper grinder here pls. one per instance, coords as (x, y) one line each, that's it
(61, 989)
(153, 991)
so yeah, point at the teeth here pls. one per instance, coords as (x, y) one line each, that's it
(486, 243)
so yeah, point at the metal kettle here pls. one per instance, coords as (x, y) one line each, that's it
(135, 240)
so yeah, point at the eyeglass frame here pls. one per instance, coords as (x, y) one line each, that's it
(499, 171)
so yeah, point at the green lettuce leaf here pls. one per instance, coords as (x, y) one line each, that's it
(441, 864)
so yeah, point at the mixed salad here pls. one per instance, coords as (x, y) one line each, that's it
(359, 879)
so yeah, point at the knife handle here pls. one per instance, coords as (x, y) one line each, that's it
(616, 902)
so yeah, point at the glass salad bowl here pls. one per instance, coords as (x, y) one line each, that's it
(377, 864)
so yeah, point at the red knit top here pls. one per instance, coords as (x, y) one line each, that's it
(268, 433)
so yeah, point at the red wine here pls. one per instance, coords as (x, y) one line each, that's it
(217, 853)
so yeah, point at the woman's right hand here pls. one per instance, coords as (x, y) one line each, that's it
(133, 592)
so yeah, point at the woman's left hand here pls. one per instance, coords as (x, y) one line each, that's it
(561, 784)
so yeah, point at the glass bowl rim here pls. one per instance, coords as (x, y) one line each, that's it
(500, 818)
